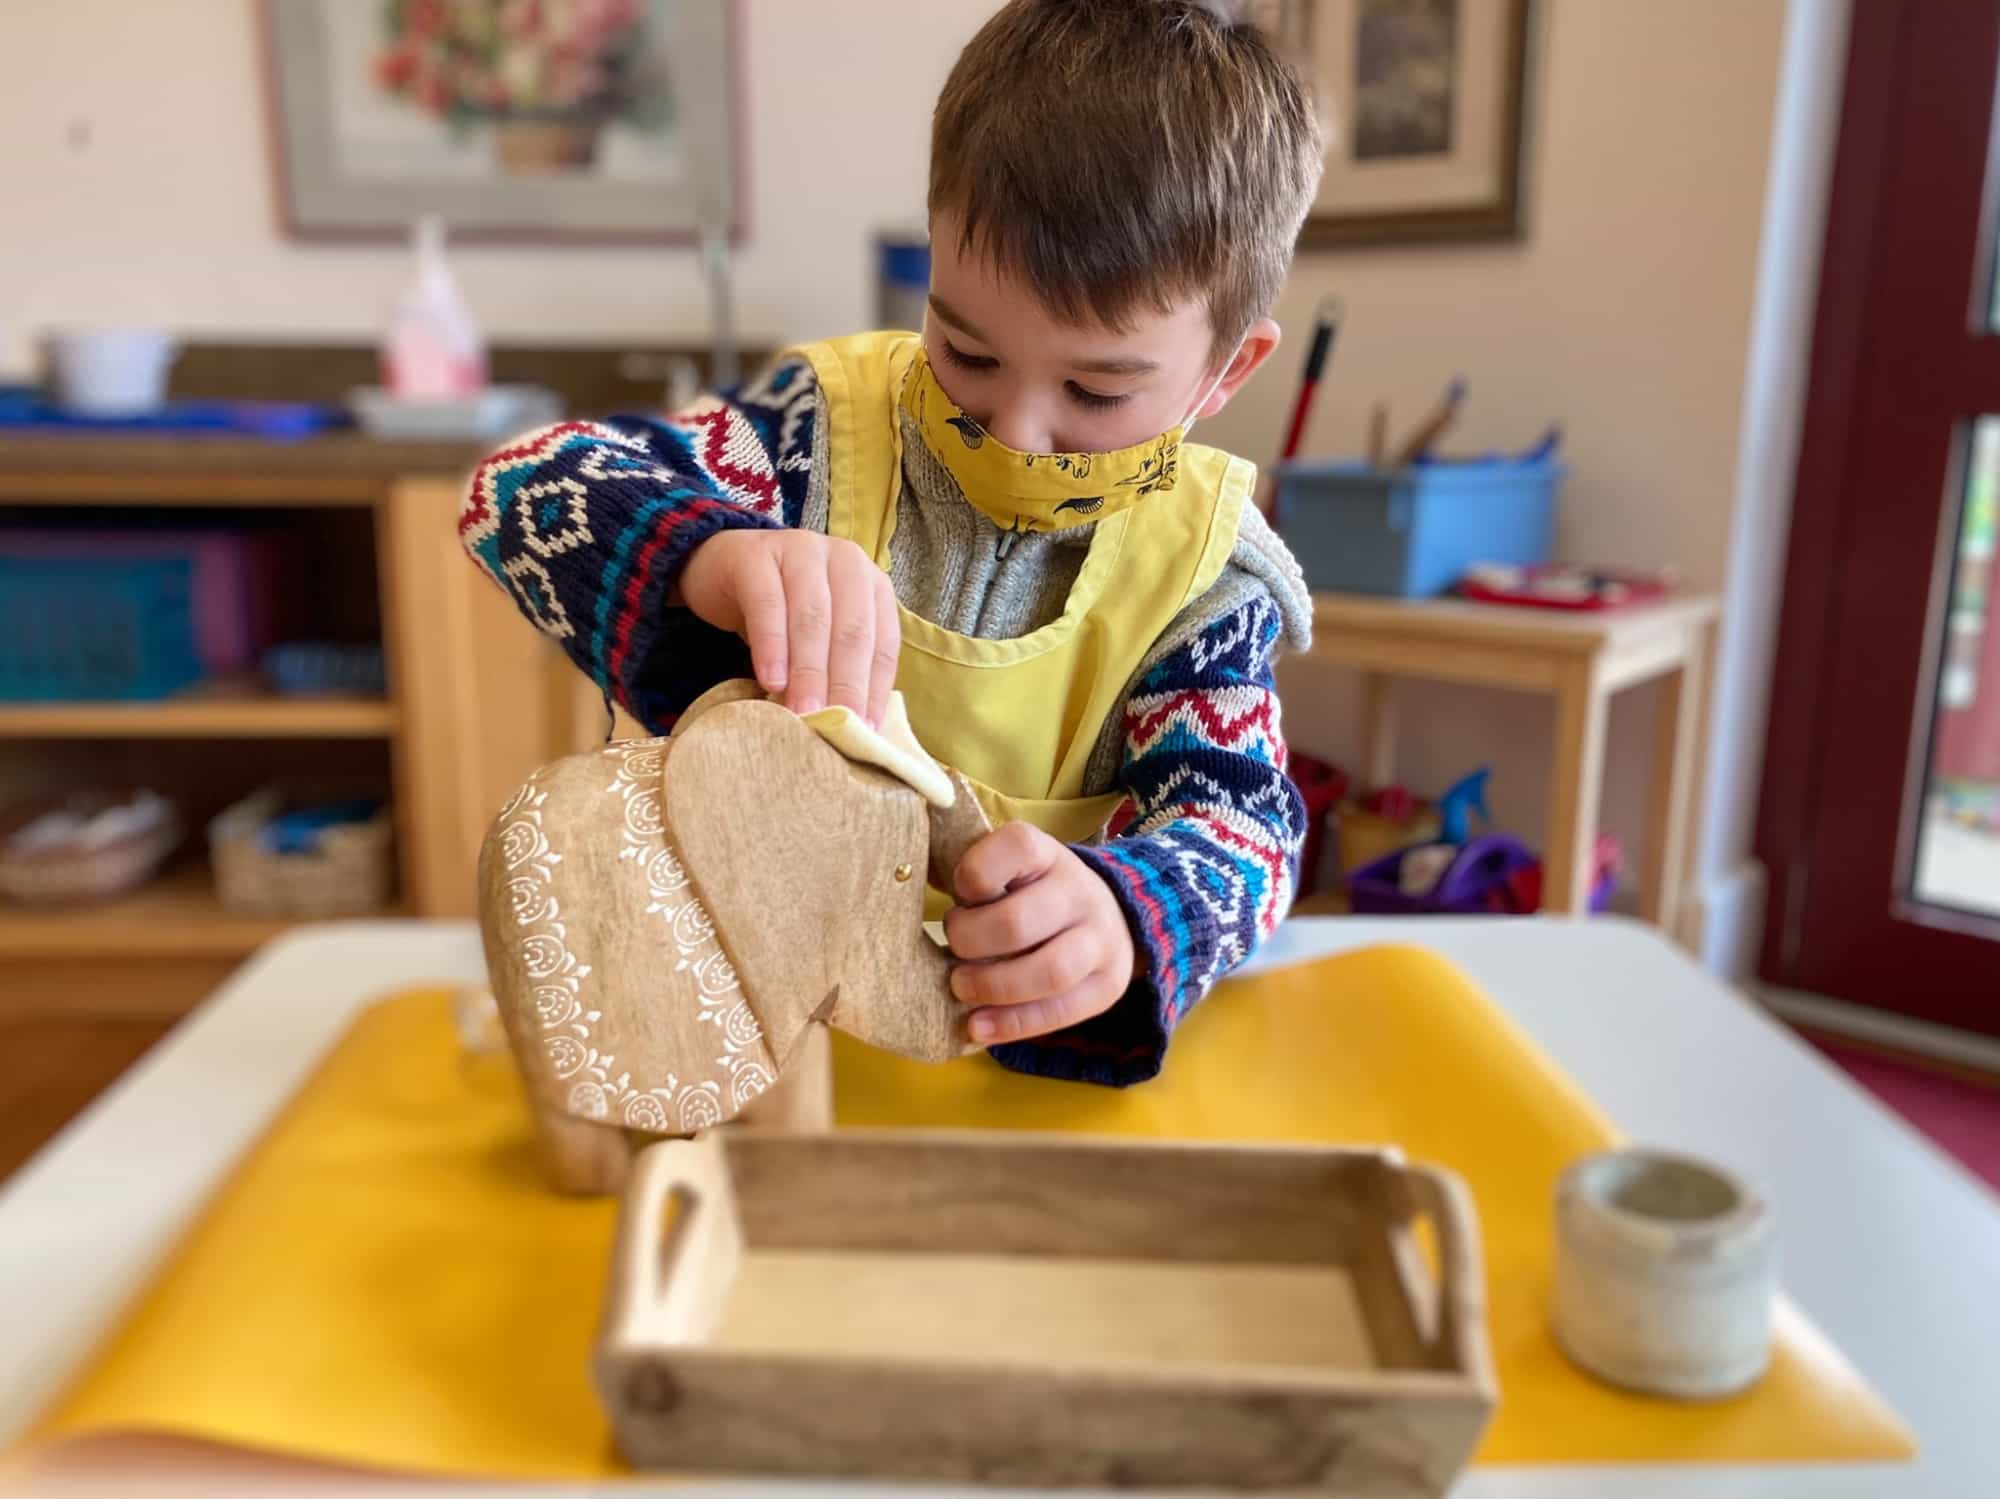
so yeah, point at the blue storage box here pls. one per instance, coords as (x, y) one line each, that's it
(303, 668)
(1414, 532)
(77, 629)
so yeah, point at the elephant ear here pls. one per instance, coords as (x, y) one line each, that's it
(812, 868)
(733, 690)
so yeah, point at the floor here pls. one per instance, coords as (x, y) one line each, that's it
(1958, 1111)
(50, 1069)
(1958, 866)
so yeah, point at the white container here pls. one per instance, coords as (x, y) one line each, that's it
(494, 412)
(110, 371)
(1664, 1274)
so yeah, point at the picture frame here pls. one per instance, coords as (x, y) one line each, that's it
(510, 119)
(1424, 103)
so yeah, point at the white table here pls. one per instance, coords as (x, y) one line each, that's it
(1890, 1246)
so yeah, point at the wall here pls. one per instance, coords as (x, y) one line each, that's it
(1624, 314)
(1730, 884)
(139, 188)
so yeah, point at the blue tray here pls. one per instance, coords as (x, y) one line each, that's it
(23, 408)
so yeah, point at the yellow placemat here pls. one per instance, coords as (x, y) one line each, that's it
(386, 1283)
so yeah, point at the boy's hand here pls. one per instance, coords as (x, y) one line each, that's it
(1044, 938)
(819, 615)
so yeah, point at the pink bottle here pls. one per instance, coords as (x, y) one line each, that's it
(433, 350)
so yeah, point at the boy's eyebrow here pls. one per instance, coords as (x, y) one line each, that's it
(1126, 366)
(1129, 366)
(963, 324)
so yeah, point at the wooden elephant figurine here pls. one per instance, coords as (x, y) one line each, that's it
(668, 923)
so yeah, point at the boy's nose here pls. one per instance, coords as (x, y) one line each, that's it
(1016, 424)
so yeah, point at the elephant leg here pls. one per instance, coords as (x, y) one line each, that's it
(582, 1157)
(801, 1100)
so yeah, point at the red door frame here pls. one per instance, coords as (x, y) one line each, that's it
(1896, 371)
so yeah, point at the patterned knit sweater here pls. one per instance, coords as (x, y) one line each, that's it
(587, 525)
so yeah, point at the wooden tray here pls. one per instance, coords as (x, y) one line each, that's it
(1032, 1309)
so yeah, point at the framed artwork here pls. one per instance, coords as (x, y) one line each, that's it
(533, 119)
(1423, 102)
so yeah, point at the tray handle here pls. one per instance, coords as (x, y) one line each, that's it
(670, 1281)
(1458, 1337)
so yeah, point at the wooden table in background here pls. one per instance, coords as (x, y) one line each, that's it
(1578, 658)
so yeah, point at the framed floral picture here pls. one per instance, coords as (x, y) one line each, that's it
(582, 119)
(1423, 102)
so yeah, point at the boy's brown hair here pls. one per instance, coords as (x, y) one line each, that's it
(1119, 152)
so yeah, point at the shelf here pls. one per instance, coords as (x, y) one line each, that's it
(337, 469)
(177, 916)
(212, 712)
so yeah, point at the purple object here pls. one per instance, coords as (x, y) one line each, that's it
(1481, 869)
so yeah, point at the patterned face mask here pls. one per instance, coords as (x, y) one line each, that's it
(1037, 491)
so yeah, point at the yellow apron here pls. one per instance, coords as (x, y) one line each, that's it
(1019, 718)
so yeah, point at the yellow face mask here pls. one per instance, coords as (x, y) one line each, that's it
(1035, 491)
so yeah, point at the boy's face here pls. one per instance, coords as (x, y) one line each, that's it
(1042, 385)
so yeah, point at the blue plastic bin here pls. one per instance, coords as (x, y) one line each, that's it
(1414, 532)
(72, 630)
(304, 668)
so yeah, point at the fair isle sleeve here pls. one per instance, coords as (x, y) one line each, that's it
(1206, 867)
(588, 524)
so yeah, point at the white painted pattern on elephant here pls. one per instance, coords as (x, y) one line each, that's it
(547, 952)
(530, 899)
(644, 817)
(699, 953)
(555, 1005)
(665, 872)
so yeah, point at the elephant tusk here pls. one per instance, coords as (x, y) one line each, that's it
(954, 830)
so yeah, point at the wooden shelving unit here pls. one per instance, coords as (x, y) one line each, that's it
(177, 916)
(204, 714)
(477, 701)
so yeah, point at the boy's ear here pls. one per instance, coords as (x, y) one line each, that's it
(1258, 345)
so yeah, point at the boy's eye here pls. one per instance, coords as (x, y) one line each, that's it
(955, 355)
(1094, 400)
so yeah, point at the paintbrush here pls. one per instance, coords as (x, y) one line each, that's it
(1433, 427)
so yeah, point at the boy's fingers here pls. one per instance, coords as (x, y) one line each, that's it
(1009, 855)
(1038, 1017)
(888, 649)
(808, 612)
(1019, 921)
(851, 653)
(1056, 967)
(760, 595)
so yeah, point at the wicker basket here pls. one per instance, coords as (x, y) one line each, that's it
(68, 873)
(348, 872)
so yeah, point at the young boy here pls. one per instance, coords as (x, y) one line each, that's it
(999, 519)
